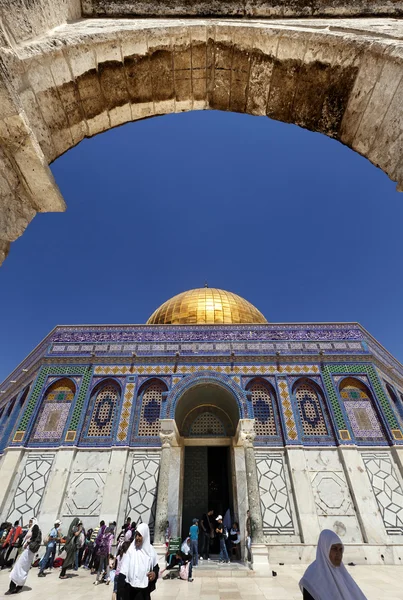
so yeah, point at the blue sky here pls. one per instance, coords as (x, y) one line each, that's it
(298, 224)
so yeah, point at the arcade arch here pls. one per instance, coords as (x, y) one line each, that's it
(343, 79)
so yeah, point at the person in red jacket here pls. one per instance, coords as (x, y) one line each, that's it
(11, 540)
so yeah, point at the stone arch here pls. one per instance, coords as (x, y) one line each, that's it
(54, 409)
(210, 378)
(88, 76)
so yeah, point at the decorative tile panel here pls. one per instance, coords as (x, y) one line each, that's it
(149, 424)
(152, 370)
(387, 489)
(359, 408)
(274, 499)
(123, 428)
(31, 487)
(289, 420)
(54, 412)
(142, 499)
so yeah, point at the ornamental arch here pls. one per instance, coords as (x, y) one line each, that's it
(67, 76)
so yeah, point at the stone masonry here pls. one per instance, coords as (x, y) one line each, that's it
(67, 74)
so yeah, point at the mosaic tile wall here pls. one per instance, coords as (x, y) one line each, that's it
(150, 410)
(102, 414)
(359, 408)
(387, 489)
(310, 411)
(31, 487)
(54, 412)
(265, 422)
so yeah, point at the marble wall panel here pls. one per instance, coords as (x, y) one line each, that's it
(142, 496)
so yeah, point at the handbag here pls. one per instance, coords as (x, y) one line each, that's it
(184, 572)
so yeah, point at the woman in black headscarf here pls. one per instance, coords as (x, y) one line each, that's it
(71, 546)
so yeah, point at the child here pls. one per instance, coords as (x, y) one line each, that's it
(194, 542)
(119, 557)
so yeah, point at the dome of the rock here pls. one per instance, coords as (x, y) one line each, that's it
(206, 306)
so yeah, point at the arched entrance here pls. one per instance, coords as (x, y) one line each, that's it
(207, 417)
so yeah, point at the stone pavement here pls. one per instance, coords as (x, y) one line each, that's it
(377, 582)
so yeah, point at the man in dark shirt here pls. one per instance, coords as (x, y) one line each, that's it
(207, 533)
(222, 534)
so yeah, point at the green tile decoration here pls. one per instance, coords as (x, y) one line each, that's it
(38, 386)
(75, 419)
(376, 384)
(332, 394)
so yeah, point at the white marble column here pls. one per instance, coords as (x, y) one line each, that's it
(9, 465)
(113, 485)
(169, 436)
(175, 490)
(55, 490)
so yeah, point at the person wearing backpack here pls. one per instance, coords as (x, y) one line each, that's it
(104, 550)
(50, 541)
(222, 533)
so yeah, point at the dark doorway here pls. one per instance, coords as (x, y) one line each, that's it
(207, 484)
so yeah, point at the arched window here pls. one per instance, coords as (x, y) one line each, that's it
(54, 411)
(105, 401)
(397, 405)
(149, 423)
(310, 410)
(361, 412)
(263, 410)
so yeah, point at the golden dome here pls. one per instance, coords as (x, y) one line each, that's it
(205, 306)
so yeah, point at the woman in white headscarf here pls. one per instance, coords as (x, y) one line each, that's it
(327, 578)
(31, 545)
(139, 568)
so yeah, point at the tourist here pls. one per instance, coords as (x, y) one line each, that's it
(71, 546)
(248, 538)
(10, 543)
(31, 545)
(139, 568)
(87, 548)
(95, 556)
(130, 530)
(80, 543)
(235, 541)
(104, 550)
(89, 564)
(194, 542)
(327, 578)
(50, 542)
(207, 534)
(121, 537)
(222, 533)
(119, 557)
(186, 559)
(127, 524)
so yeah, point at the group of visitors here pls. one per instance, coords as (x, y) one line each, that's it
(134, 568)
(135, 565)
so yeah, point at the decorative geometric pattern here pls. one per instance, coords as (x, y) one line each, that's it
(101, 423)
(186, 369)
(142, 499)
(274, 500)
(331, 493)
(85, 384)
(291, 428)
(207, 424)
(398, 405)
(265, 423)
(54, 411)
(149, 424)
(28, 496)
(363, 419)
(310, 411)
(207, 419)
(376, 385)
(387, 489)
(37, 389)
(84, 494)
(126, 411)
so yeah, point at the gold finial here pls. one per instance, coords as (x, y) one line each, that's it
(205, 284)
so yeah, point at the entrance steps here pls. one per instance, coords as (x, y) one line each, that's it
(212, 568)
